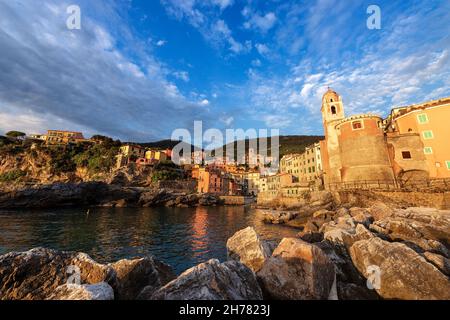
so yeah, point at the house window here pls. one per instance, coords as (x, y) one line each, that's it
(427, 135)
(422, 118)
(428, 150)
(447, 163)
(357, 125)
(406, 155)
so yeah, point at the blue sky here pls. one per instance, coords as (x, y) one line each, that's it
(137, 70)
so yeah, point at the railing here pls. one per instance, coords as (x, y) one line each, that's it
(392, 185)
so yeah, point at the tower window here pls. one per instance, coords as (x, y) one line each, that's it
(333, 110)
(357, 125)
(428, 150)
(406, 155)
(331, 100)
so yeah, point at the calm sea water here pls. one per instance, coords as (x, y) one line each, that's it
(181, 237)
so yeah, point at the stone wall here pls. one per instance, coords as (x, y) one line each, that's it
(236, 200)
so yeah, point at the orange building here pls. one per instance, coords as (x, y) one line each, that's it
(213, 181)
(411, 144)
(430, 123)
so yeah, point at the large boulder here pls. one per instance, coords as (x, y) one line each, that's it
(133, 276)
(278, 217)
(212, 280)
(427, 229)
(246, 247)
(35, 274)
(297, 271)
(100, 291)
(403, 273)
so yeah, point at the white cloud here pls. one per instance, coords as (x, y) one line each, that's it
(83, 82)
(262, 23)
(161, 43)
(262, 49)
(182, 75)
(205, 102)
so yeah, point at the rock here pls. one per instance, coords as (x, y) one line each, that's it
(404, 274)
(310, 236)
(350, 284)
(135, 275)
(414, 224)
(320, 198)
(297, 271)
(347, 237)
(35, 274)
(342, 212)
(278, 217)
(352, 291)
(355, 211)
(212, 281)
(155, 198)
(364, 219)
(440, 262)
(246, 247)
(67, 195)
(380, 211)
(99, 291)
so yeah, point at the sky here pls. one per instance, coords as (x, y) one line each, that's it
(137, 70)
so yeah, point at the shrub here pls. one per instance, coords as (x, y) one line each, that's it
(11, 176)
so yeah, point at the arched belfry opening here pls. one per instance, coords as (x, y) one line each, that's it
(333, 110)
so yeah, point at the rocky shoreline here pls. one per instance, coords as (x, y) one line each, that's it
(98, 194)
(346, 254)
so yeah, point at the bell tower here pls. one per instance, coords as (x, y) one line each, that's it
(332, 112)
(332, 106)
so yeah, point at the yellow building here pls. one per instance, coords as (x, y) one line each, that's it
(304, 167)
(430, 123)
(63, 137)
(132, 150)
(155, 155)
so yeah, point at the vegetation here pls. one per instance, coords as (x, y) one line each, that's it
(15, 134)
(165, 171)
(12, 176)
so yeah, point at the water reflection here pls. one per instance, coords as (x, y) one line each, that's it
(182, 237)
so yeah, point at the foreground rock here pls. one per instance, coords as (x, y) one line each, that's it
(246, 247)
(140, 277)
(35, 274)
(100, 291)
(297, 271)
(212, 281)
(41, 274)
(404, 274)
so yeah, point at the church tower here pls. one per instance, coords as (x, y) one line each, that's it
(332, 112)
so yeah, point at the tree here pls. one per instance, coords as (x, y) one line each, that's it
(15, 134)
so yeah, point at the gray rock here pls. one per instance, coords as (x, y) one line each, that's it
(212, 280)
(100, 291)
(133, 276)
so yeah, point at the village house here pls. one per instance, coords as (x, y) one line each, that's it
(61, 137)
(214, 181)
(428, 123)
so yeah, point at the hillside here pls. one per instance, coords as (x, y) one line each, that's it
(288, 144)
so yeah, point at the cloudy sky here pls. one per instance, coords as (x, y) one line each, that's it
(139, 69)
